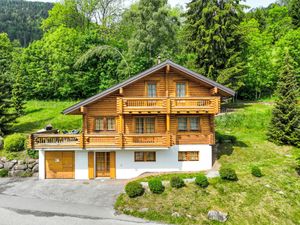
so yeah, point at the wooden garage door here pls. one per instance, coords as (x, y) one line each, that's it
(59, 165)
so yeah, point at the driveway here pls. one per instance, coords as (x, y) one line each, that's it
(32, 201)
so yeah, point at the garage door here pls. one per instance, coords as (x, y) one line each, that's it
(59, 165)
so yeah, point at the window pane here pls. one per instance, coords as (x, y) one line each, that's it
(99, 123)
(182, 156)
(111, 124)
(182, 123)
(188, 156)
(139, 156)
(193, 156)
(194, 123)
(139, 125)
(180, 89)
(151, 90)
(150, 156)
(150, 125)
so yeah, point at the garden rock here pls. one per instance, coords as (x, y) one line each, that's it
(21, 162)
(16, 173)
(1, 165)
(30, 166)
(35, 174)
(212, 174)
(217, 216)
(20, 167)
(14, 161)
(35, 168)
(9, 165)
(31, 161)
(175, 214)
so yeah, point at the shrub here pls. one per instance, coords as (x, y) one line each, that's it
(201, 181)
(156, 186)
(33, 154)
(177, 182)
(134, 189)
(228, 174)
(14, 143)
(3, 173)
(255, 171)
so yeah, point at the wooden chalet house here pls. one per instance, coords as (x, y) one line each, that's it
(160, 120)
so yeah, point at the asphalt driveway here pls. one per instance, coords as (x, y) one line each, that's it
(32, 201)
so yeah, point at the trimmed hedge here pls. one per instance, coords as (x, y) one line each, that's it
(227, 173)
(14, 143)
(201, 181)
(177, 182)
(3, 173)
(156, 186)
(255, 171)
(134, 189)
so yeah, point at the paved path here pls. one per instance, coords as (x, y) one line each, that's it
(59, 202)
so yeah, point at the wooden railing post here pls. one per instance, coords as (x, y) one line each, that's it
(82, 141)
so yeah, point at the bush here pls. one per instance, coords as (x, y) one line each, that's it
(156, 186)
(3, 173)
(201, 181)
(255, 171)
(228, 174)
(177, 182)
(33, 154)
(134, 189)
(14, 143)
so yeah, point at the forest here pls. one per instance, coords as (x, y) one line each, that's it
(89, 46)
(21, 19)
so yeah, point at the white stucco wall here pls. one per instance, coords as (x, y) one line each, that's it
(81, 165)
(166, 161)
(41, 164)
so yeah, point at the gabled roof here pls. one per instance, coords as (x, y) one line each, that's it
(131, 80)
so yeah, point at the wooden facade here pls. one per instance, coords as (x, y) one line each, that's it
(160, 98)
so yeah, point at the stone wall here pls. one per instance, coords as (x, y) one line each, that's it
(20, 167)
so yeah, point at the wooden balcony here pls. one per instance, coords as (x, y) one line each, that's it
(192, 105)
(92, 141)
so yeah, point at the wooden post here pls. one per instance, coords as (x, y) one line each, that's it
(91, 165)
(82, 141)
(121, 129)
(112, 165)
(31, 141)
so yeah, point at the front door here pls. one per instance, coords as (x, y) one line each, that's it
(102, 164)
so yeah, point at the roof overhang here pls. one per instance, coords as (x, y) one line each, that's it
(223, 89)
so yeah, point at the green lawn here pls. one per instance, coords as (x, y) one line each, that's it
(272, 199)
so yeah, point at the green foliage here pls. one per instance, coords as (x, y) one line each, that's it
(134, 189)
(33, 154)
(26, 174)
(14, 143)
(156, 186)
(201, 181)
(3, 172)
(255, 171)
(294, 11)
(21, 19)
(284, 127)
(177, 182)
(227, 173)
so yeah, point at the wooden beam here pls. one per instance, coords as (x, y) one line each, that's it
(214, 91)
(83, 109)
(91, 165)
(121, 91)
(168, 69)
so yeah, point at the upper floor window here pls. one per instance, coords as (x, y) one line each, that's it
(151, 89)
(180, 89)
(144, 125)
(105, 124)
(188, 123)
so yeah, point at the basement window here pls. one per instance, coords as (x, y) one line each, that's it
(144, 156)
(188, 156)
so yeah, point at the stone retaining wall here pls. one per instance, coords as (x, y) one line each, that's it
(20, 167)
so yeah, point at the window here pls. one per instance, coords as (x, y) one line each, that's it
(144, 156)
(188, 156)
(151, 89)
(105, 124)
(145, 125)
(188, 123)
(180, 89)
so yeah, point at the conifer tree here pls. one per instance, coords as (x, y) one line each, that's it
(285, 123)
(6, 117)
(213, 34)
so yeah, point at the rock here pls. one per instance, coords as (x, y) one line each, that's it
(28, 170)
(20, 167)
(175, 214)
(30, 166)
(31, 161)
(16, 173)
(35, 168)
(212, 174)
(189, 216)
(35, 174)
(3, 159)
(1, 165)
(189, 180)
(9, 165)
(217, 215)
(144, 210)
(21, 162)
(14, 161)
(267, 185)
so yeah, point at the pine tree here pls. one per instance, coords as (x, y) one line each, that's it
(285, 123)
(6, 117)
(213, 34)
(294, 11)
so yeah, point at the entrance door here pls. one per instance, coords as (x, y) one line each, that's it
(102, 164)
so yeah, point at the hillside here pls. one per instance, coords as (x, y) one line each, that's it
(21, 19)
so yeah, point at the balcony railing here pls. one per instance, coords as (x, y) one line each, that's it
(186, 105)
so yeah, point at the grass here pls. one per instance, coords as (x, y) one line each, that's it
(40, 113)
(271, 199)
